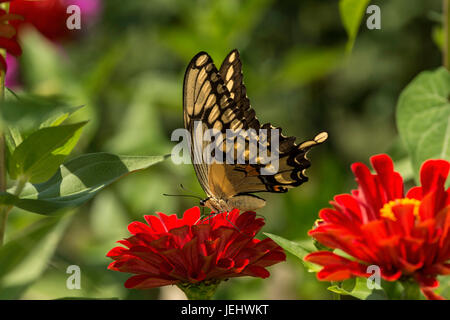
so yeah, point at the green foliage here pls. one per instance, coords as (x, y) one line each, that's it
(78, 180)
(28, 111)
(423, 117)
(24, 258)
(358, 288)
(438, 36)
(130, 82)
(305, 65)
(40, 154)
(300, 250)
(352, 12)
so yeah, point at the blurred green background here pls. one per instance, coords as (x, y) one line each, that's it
(128, 69)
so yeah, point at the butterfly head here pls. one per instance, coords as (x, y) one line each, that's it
(203, 202)
(215, 205)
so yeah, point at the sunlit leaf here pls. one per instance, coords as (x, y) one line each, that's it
(300, 250)
(423, 117)
(28, 112)
(358, 288)
(41, 153)
(77, 181)
(352, 12)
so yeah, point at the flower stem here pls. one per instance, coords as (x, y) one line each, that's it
(3, 208)
(446, 24)
(199, 291)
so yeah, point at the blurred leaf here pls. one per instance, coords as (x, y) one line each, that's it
(24, 259)
(444, 287)
(27, 112)
(41, 153)
(42, 65)
(403, 166)
(304, 65)
(77, 181)
(359, 290)
(297, 249)
(13, 138)
(218, 27)
(99, 77)
(352, 12)
(141, 125)
(110, 217)
(423, 117)
(438, 36)
(59, 116)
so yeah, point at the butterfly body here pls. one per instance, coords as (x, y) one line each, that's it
(217, 100)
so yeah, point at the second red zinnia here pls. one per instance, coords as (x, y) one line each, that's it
(407, 236)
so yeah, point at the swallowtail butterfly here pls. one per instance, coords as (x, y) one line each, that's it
(217, 99)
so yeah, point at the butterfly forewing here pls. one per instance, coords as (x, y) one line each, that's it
(206, 100)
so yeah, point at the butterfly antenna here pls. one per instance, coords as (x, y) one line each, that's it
(203, 211)
(182, 195)
(188, 190)
(226, 218)
(185, 189)
(234, 226)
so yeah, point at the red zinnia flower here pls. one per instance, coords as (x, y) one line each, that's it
(50, 16)
(8, 35)
(189, 250)
(406, 236)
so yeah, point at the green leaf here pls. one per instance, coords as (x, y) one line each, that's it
(437, 35)
(358, 288)
(40, 154)
(78, 180)
(352, 12)
(24, 259)
(27, 112)
(300, 250)
(304, 65)
(423, 117)
(59, 116)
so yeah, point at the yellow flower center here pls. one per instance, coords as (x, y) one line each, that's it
(386, 211)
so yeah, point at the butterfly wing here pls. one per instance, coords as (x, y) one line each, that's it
(231, 73)
(207, 100)
(292, 157)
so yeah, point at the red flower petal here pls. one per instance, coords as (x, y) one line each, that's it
(433, 174)
(146, 282)
(430, 295)
(390, 180)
